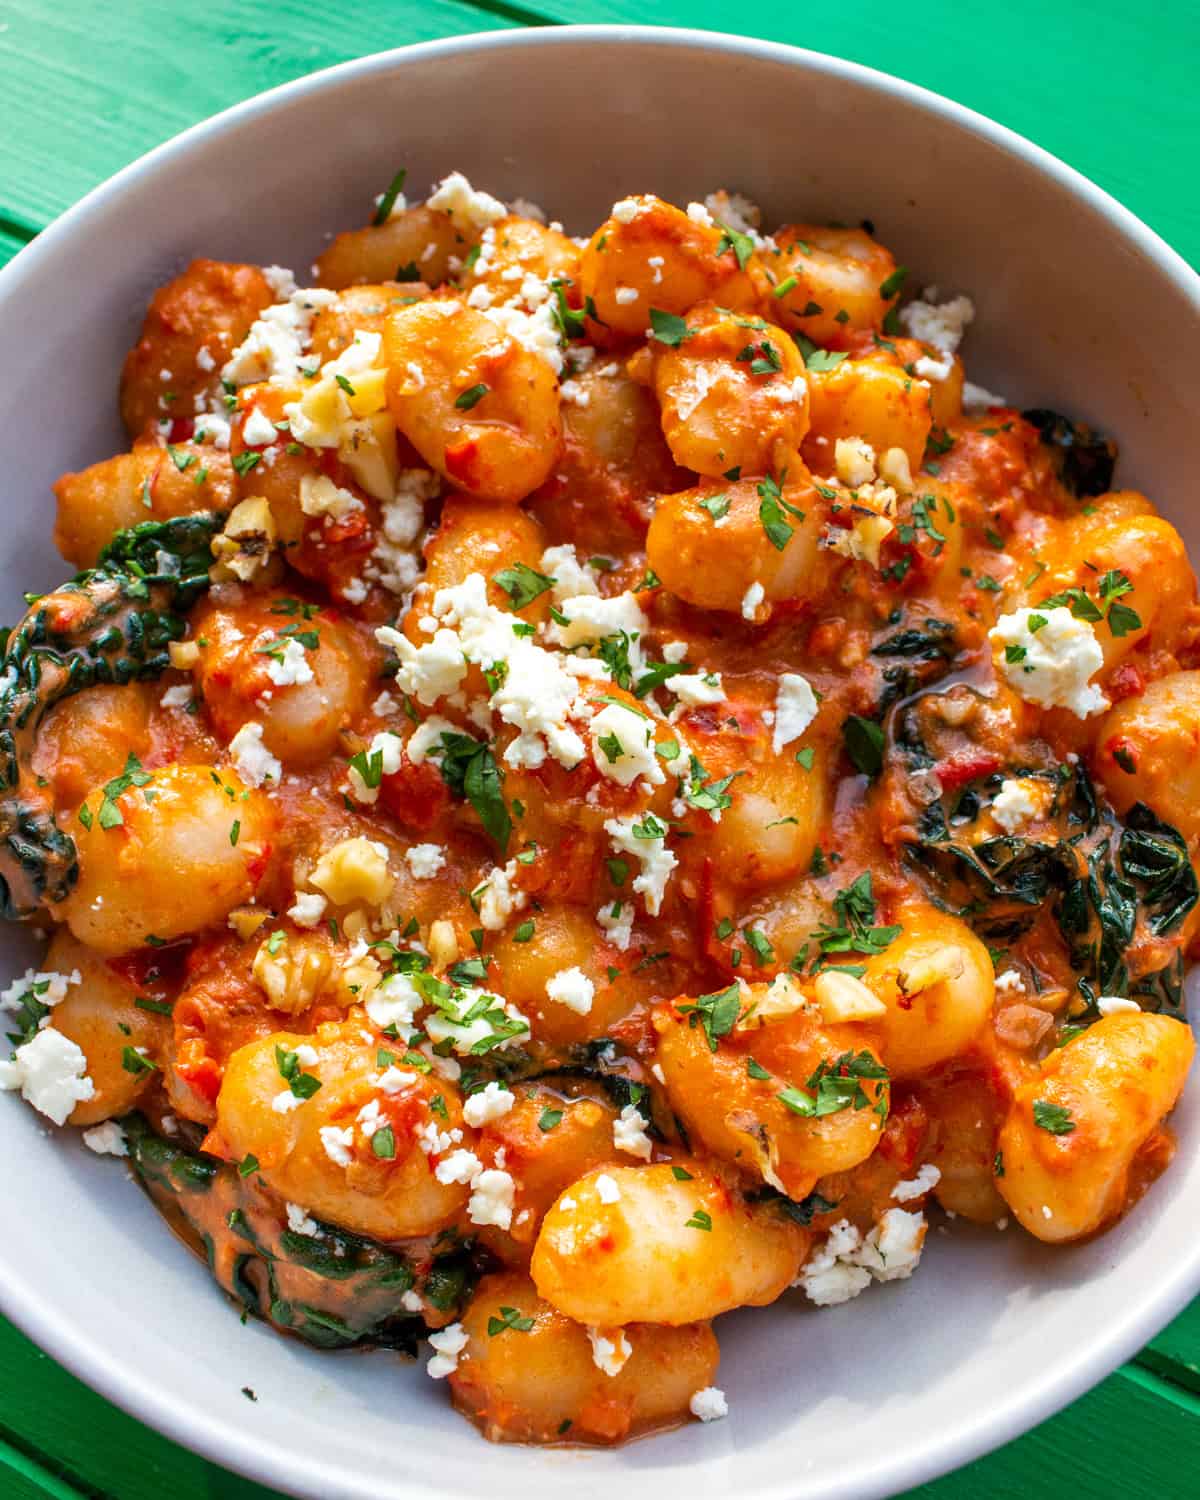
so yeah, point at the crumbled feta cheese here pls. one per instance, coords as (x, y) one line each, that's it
(1013, 805)
(51, 1073)
(572, 988)
(700, 215)
(281, 281)
(656, 860)
(709, 1404)
(307, 909)
(299, 1221)
(491, 1200)
(425, 860)
(571, 578)
(674, 652)
(470, 209)
(258, 429)
(285, 1102)
(629, 1133)
(735, 211)
(610, 1349)
(449, 1344)
(845, 1264)
(626, 210)
(696, 689)
(395, 1002)
(338, 1144)
(497, 897)
(1010, 983)
(892, 1249)
(625, 295)
(616, 920)
(393, 1081)
(795, 709)
(751, 600)
(461, 1166)
(289, 667)
(942, 326)
(977, 398)
(927, 1178)
(623, 745)
(430, 671)
(1051, 664)
(47, 987)
(591, 618)
(107, 1139)
(178, 696)
(535, 331)
(830, 1276)
(926, 368)
(606, 1189)
(492, 1102)
(205, 360)
(386, 752)
(1113, 1005)
(277, 339)
(495, 1017)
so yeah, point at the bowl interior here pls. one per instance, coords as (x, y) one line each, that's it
(1078, 308)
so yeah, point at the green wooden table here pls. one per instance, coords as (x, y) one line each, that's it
(1107, 86)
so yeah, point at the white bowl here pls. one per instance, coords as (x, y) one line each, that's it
(1080, 307)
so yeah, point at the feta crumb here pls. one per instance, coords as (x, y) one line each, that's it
(700, 215)
(751, 599)
(1052, 664)
(656, 860)
(1113, 1005)
(107, 1139)
(572, 988)
(178, 696)
(289, 667)
(47, 986)
(449, 1344)
(1013, 806)
(299, 1221)
(285, 1101)
(338, 1144)
(696, 689)
(942, 326)
(492, 1102)
(491, 1200)
(258, 429)
(469, 208)
(606, 1189)
(625, 295)
(460, 1166)
(1010, 983)
(386, 753)
(626, 210)
(51, 1073)
(616, 921)
(709, 1404)
(629, 1133)
(425, 860)
(977, 398)
(927, 1178)
(795, 709)
(571, 578)
(623, 744)
(307, 909)
(610, 1349)
(845, 1265)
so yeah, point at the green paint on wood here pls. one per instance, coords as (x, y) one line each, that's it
(1094, 84)
(91, 97)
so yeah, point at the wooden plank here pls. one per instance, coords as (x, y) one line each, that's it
(90, 95)
(1106, 87)
(1175, 1353)
(11, 240)
(1127, 1437)
(1131, 1435)
(47, 1412)
(22, 1478)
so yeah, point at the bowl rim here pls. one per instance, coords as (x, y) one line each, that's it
(222, 1441)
